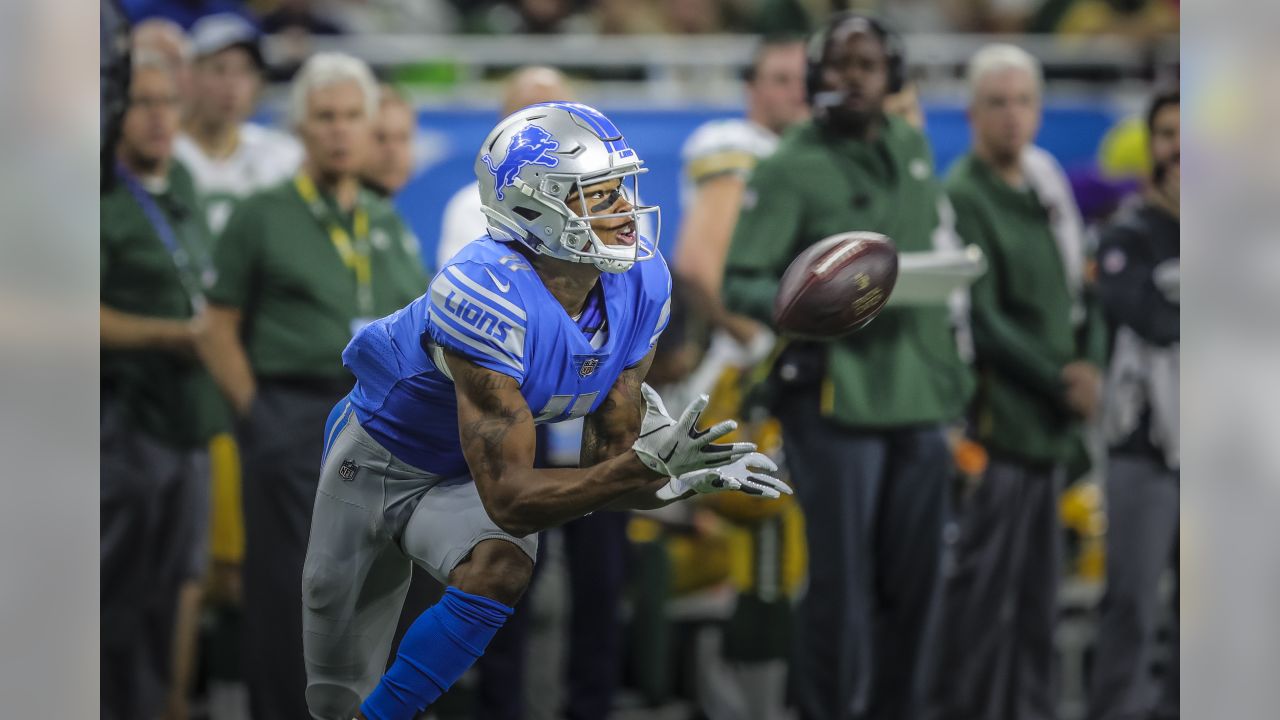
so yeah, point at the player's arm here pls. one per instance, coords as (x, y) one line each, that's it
(614, 427)
(705, 235)
(999, 342)
(236, 260)
(119, 330)
(223, 353)
(707, 229)
(497, 433)
(633, 409)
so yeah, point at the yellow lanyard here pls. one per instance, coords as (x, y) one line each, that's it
(355, 255)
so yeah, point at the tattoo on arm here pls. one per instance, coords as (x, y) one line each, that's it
(484, 433)
(612, 428)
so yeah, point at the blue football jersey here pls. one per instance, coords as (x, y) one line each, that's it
(489, 306)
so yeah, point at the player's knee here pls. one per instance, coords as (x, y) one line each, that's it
(327, 701)
(495, 569)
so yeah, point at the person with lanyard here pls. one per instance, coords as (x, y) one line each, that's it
(864, 417)
(229, 157)
(1039, 341)
(299, 268)
(159, 407)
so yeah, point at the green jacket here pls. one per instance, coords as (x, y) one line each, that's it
(277, 263)
(1023, 331)
(904, 368)
(170, 397)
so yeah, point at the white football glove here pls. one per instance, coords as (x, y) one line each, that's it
(674, 447)
(746, 475)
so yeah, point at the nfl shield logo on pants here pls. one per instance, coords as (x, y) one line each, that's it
(347, 470)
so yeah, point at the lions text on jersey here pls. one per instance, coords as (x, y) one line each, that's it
(489, 306)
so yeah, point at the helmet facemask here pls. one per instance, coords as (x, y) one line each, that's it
(557, 230)
(578, 241)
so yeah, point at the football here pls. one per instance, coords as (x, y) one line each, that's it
(836, 286)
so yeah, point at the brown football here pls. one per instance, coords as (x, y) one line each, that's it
(836, 286)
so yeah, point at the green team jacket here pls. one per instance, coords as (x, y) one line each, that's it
(1023, 332)
(278, 265)
(904, 368)
(170, 397)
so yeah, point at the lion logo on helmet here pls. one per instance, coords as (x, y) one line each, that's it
(531, 146)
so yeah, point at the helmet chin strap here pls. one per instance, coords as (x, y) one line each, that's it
(611, 264)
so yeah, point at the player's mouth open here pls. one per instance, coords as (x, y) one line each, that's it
(625, 234)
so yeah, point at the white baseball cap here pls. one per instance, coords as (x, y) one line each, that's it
(212, 34)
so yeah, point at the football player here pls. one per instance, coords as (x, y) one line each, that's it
(552, 316)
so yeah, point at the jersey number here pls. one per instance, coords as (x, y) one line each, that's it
(555, 407)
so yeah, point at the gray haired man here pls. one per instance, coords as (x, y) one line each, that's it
(299, 268)
(1039, 342)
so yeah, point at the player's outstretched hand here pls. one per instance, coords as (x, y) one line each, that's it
(746, 475)
(675, 447)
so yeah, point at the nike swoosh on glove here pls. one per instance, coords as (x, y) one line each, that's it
(746, 475)
(675, 447)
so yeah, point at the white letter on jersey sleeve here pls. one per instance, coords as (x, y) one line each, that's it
(662, 321)
(464, 312)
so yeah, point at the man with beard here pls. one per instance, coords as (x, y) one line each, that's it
(1139, 283)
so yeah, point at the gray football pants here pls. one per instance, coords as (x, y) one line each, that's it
(374, 517)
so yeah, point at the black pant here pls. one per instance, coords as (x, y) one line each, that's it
(874, 505)
(1142, 544)
(151, 497)
(280, 446)
(596, 549)
(994, 655)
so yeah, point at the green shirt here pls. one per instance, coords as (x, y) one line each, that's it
(162, 393)
(276, 262)
(904, 368)
(1023, 332)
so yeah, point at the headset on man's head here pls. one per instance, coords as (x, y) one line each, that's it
(816, 51)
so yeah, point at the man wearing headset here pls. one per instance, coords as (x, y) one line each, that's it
(862, 417)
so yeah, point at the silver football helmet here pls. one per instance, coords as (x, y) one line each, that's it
(538, 158)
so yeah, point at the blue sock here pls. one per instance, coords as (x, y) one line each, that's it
(438, 647)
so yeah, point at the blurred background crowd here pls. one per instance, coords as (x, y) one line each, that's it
(992, 534)
(1131, 18)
